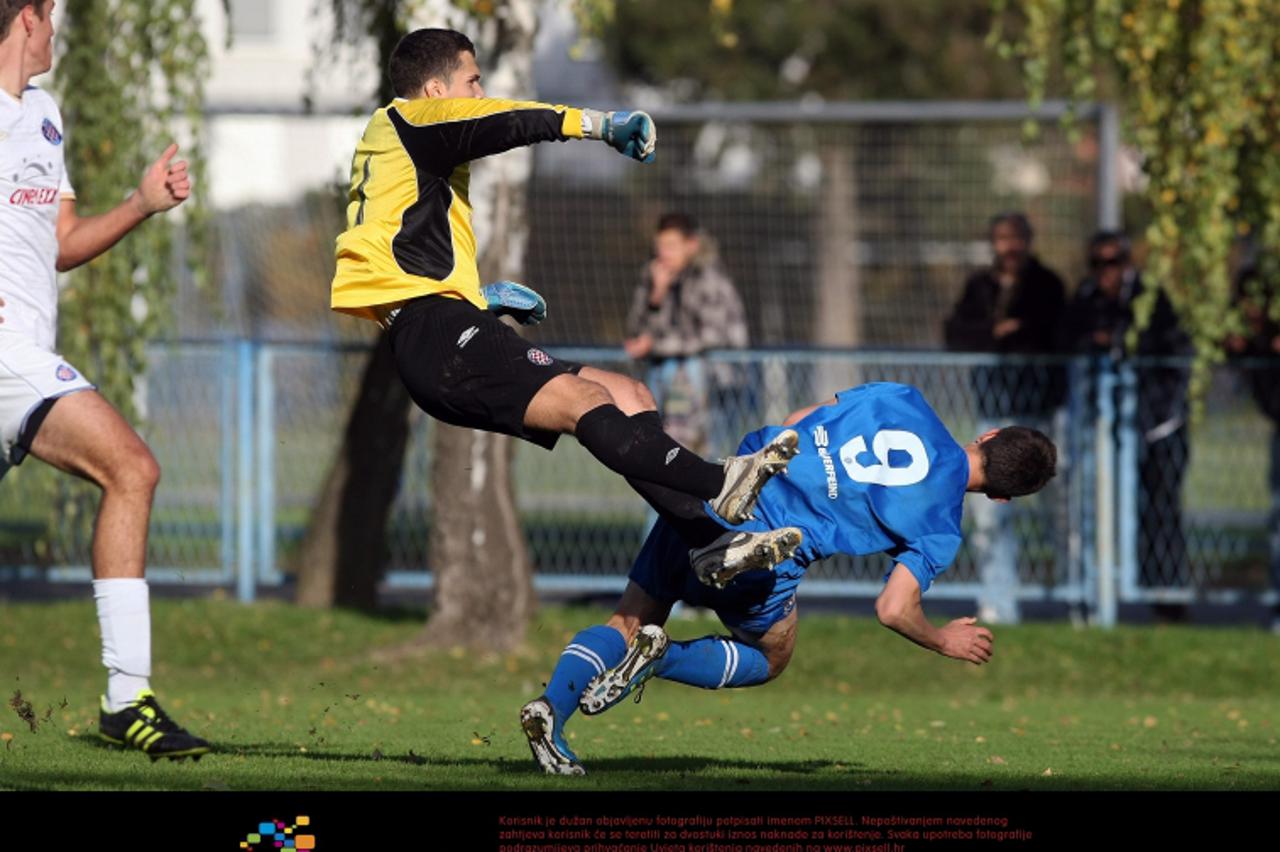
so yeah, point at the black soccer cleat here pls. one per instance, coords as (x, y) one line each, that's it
(143, 725)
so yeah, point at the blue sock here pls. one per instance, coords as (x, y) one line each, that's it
(591, 652)
(713, 662)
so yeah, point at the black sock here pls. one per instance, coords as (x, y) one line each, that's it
(639, 450)
(683, 511)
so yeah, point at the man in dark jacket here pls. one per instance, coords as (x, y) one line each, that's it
(1015, 308)
(1098, 321)
(1262, 341)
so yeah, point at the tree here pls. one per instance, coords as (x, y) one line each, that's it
(477, 553)
(129, 77)
(344, 551)
(787, 49)
(1202, 105)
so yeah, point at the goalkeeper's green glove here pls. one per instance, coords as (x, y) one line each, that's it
(521, 303)
(630, 133)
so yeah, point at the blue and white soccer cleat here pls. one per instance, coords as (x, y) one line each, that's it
(744, 476)
(735, 552)
(546, 739)
(628, 676)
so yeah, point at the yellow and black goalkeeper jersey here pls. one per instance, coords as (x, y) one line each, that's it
(409, 217)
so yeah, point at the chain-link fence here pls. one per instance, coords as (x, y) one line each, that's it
(842, 224)
(246, 433)
(846, 227)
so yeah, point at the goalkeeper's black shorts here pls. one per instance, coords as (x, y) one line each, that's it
(465, 366)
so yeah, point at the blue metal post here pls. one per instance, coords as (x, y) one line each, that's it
(227, 471)
(266, 473)
(1105, 468)
(1127, 484)
(245, 586)
(1079, 461)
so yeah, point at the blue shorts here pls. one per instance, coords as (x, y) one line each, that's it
(752, 603)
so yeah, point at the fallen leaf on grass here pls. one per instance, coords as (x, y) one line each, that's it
(24, 710)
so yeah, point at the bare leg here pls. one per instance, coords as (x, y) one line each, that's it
(636, 609)
(630, 446)
(630, 395)
(83, 435)
(777, 644)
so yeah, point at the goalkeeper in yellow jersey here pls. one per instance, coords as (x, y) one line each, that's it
(407, 261)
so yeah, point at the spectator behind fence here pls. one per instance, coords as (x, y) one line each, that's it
(1099, 318)
(1014, 307)
(684, 305)
(1262, 340)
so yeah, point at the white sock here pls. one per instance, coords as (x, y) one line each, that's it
(124, 614)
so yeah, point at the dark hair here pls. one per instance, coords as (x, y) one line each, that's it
(423, 54)
(682, 222)
(1110, 238)
(1014, 218)
(9, 10)
(1017, 461)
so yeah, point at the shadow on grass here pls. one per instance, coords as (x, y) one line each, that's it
(521, 766)
(321, 769)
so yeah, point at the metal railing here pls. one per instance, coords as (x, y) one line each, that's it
(245, 432)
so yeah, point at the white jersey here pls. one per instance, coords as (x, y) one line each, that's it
(33, 182)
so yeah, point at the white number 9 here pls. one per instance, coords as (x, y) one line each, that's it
(885, 442)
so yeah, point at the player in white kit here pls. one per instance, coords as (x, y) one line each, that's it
(47, 408)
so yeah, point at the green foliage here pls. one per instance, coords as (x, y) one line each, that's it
(129, 77)
(774, 49)
(1202, 104)
(384, 21)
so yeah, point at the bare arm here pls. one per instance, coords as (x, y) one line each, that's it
(899, 609)
(82, 238)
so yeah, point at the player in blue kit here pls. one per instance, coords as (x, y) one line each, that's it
(876, 471)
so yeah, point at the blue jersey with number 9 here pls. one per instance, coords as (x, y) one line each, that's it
(877, 471)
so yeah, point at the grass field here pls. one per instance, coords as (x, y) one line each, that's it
(301, 700)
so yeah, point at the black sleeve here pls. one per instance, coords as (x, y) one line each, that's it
(441, 146)
(968, 329)
(1041, 315)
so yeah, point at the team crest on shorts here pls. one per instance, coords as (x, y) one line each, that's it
(537, 356)
(65, 373)
(51, 132)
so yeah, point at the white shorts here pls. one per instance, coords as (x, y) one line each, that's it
(31, 378)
